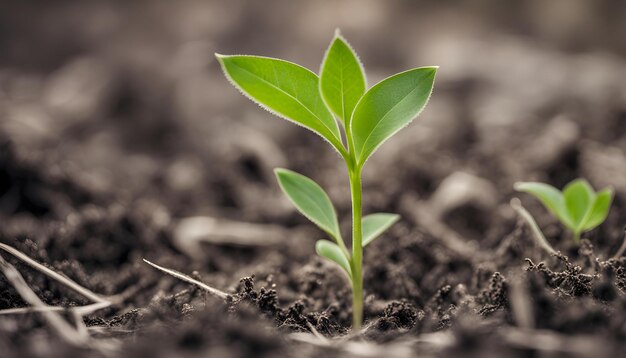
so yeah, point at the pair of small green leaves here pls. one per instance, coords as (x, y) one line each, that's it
(578, 207)
(313, 202)
(295, 93)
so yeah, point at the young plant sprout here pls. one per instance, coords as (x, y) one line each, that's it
(578, 207)
(355, 121)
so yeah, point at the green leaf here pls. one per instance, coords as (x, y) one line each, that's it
(288, 90)
(388, 107)
(332, 252)
(342, 80)
(310, 199)
(550, 197)
(599, 211)
(376, 224)
(579, 197)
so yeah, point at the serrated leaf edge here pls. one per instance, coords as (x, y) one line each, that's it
(339, 36)
(360, 161)
(334, 235)
(339, 147)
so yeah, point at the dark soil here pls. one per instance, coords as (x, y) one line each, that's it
(460, 275)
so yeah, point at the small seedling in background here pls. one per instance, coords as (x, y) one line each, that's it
(335, 103)
(578, 207)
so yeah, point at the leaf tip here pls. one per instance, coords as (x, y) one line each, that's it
(319, 244)
(433, 69)
(394, 219)
(337, 32)
(220, 59)
(609, 190)
(580, 180)
(519, 186)
(280, 171)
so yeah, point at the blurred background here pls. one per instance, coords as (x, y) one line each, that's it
(123, 104)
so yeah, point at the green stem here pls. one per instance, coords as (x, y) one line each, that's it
(356, 261)
(576, 237)
(357, 248)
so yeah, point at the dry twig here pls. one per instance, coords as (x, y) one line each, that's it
(52, 274)
(63, 328)
(516, 204)
(181, 276)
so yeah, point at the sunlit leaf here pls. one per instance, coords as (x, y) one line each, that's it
(342, 81)
(288, 90)
(599, 210)
(331, 251)
(375, 224)
(310, 199)
(578, 196)
(389, 106)
(550, 197)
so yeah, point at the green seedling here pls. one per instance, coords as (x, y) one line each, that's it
(579, 208)
(337, 106)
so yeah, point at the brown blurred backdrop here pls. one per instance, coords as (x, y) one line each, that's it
(126, 97)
